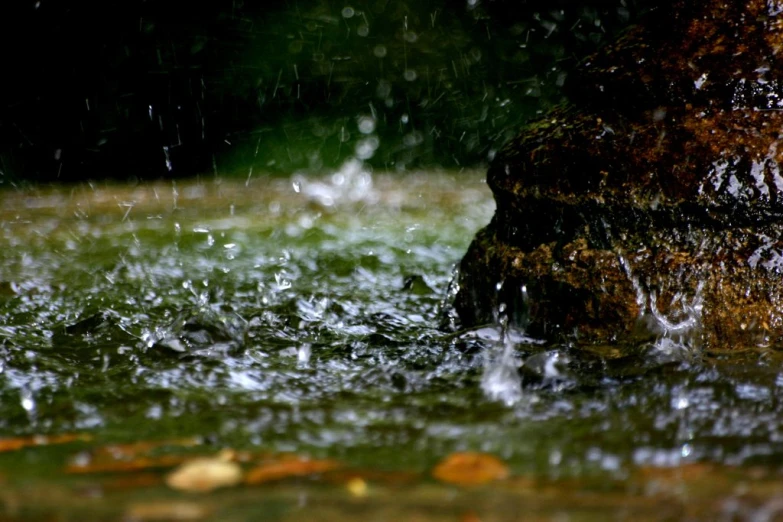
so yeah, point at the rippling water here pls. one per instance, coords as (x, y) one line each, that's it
(305, 314)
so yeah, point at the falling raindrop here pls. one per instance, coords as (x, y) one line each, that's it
(366, 124)
(303, 354)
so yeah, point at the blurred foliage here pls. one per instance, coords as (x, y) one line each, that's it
(160, 88)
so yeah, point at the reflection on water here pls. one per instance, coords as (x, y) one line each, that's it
(302, 314)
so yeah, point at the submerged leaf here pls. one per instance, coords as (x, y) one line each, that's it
(292, 467)
(205, 474)
(470, 468)
(87, 465)
(41, 440)
(133, 456)
(357, 487)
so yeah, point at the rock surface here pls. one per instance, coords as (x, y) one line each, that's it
(652, 205)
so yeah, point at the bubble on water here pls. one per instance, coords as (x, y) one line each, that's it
(379, 51)
(363, 30)
(404, 119)
(348, 12)
(410, 74)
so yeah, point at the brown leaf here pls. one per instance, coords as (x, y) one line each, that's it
(289, 467)
(115, 458)
(117, 466)
(468, 468)
(42, 440)
(135, 449)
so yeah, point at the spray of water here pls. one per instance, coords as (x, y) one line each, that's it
(501, 380)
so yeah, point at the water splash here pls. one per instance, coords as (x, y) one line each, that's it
(501, 381)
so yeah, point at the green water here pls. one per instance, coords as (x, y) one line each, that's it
(302, 315)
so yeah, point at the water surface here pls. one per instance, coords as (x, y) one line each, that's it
(305, 314)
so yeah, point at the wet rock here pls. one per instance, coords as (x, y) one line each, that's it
(652, 205)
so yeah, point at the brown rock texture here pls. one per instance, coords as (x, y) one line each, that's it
(652, 204)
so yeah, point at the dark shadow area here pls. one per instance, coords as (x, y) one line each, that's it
(149, 89)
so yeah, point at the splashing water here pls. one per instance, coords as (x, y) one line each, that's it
(271, 317)
(501, 381)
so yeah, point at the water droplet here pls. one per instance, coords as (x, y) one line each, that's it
(379, 51)
(365, 149)
(366, 124)
(303, 354)
(27, 401)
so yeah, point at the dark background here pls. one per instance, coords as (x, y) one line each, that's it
(163, 88)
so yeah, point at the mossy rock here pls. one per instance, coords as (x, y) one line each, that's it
(652, 205)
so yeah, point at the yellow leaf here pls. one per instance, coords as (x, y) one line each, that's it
(205, 474)
(357, 487)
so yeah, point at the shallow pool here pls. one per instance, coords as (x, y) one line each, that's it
(143, 325)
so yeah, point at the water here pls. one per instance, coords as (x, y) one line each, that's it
(301, 314)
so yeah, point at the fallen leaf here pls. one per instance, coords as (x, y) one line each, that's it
(41, 440)
(114, 458)
(289, 467)
(357, 487)
(468, 468)
(205, 474)
(166, 511)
